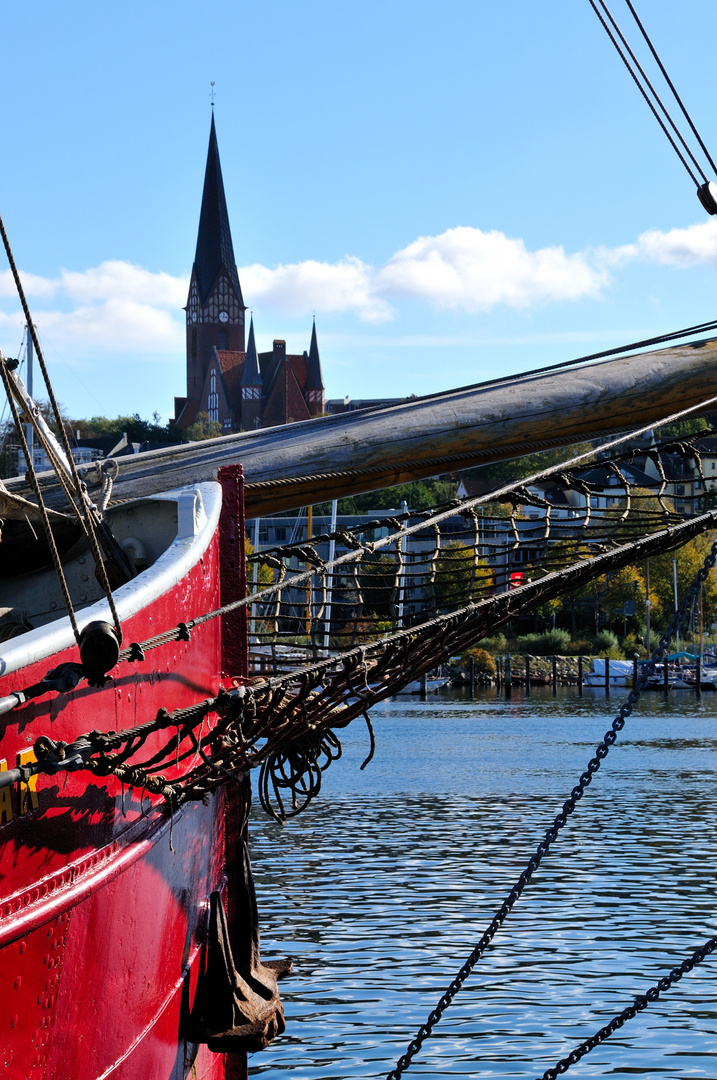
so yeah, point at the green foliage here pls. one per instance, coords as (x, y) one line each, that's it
(528, 464)
(496, 644)
(264, 574)
(606, 644)
(377, 575)
(203, 428)
(630, 646)
(552, 643)
(458, 577)
(136, 429)
(682, 428)
(689, 558)
(420, 495)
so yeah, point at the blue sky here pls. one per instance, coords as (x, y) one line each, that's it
(457, 190)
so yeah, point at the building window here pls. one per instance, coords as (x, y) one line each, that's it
(222, 339)
(213, 400)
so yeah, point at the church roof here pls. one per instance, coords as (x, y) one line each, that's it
(232, 365)
(285, 401)
(214, 240)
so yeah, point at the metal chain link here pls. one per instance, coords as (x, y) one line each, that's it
(551, 835)
(641, 1002)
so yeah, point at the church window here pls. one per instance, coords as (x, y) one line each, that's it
(213, 401)
(222, 339)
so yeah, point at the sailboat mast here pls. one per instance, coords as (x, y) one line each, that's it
(29, 432)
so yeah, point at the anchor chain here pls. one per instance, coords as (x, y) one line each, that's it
(543, 848)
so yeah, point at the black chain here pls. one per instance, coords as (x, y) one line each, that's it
(641, 1002)
(544, 846)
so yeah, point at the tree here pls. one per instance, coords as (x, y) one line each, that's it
(459, 577)
(419, 495)
(134, 427)
(377, 575)
(688, 558)
(620, 587)
(203, 428)
(264, 573)
(682, 428)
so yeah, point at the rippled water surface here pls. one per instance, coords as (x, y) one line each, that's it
(382, 887)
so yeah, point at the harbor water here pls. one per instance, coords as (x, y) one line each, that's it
(380, 890)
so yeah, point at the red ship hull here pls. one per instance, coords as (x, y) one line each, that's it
(103, 898)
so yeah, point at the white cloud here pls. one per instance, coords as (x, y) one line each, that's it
(116, 280)
(114, 306)
(32, 284)
(695, 245)
(348, 285)
(115, 325)
(118, 305)
(476, 270)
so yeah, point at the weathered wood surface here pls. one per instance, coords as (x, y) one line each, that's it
(316, 460)
(15, 508)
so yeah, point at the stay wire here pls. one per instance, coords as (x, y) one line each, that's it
(669, 82)
(644, 93)
(657, 97)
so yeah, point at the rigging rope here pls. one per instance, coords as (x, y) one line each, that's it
(47, 527)
(76, 492)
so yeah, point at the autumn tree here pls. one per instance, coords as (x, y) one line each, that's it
(460, 578)
(688, 558)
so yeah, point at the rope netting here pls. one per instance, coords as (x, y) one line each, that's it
(450, 583)
(394, 572)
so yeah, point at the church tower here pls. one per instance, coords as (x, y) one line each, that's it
(215, 307)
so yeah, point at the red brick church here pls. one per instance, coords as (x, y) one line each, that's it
(226, 377)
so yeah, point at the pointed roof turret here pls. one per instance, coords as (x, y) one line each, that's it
(251, 375)
(313, 379)
(214, 240)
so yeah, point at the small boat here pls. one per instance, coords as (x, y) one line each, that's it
(620, 673)
(423, 686)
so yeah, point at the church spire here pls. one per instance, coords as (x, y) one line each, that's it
(314, 380)
(251, 375)
(214, 241)
(314, 390)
